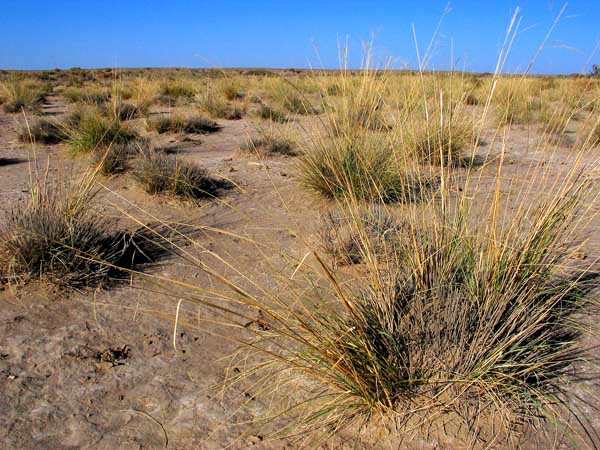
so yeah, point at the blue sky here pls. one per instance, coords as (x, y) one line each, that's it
(38, 34)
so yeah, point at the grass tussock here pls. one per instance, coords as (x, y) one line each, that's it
(176, 89)
(364, 167)
(57, 236)
(514, 103)
(180, 124)
(44, 131)
(94, 131)
(22, 95)
(117, 157)
(86, 96)
(344, 235)
(159, 173)
(440, 140)
(268, 113)
(269, 143)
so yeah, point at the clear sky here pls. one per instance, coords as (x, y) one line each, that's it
(42, 34)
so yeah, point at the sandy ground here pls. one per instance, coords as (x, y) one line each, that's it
(99, 370)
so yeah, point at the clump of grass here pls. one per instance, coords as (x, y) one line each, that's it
(554, 120)
(267, 113)
(269, 144)
(127, 111)
(450, 310)
(167, 124)
(217, 107)
(18, 95)
(457, 323)
(179, 124)
(200, 125)
(115, 158)
(96, 131)
(44, 131)
(514, 105)
(363, 167)
(232, 91)
(165, 174)
(295, 104)
(89, 96)
(344, 236)
(440, 139)
(58, 237)
(176, 89)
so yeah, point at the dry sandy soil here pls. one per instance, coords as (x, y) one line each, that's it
(98, 370)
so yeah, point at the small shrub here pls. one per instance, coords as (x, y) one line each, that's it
(161, 173)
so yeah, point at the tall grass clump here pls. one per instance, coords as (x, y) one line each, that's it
(514, 102)
(18, 95)
(353, 153)
(266, 112)
(439, 138)
(56, 235)
(177, 89)
(95, 131)
(87, 96)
